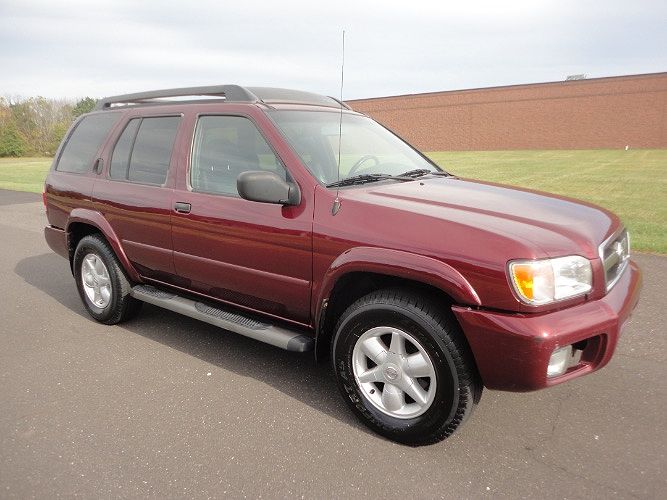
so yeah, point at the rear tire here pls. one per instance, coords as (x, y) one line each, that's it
(404, 367)
(101, 282)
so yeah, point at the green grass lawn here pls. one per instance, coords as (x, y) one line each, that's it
(632, 183)
(24, 174)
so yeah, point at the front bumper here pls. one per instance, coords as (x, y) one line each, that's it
(512, 350)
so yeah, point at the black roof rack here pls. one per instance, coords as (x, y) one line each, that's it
(230, 93)
(271, 95)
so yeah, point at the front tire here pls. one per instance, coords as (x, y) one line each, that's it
(103, 287)
(404, 367)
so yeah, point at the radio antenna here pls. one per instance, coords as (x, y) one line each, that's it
(336, 203)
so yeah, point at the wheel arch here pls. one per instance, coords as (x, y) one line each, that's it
(362, 270)
(84, 222)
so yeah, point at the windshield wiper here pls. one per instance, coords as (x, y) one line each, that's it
(422, 171)
(364, 178)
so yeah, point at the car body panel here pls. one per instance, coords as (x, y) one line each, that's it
(400, 264)
(94, 218)
(254, 254)
(432, 218)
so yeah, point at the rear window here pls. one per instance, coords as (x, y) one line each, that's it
(83, 143)
(143, 151)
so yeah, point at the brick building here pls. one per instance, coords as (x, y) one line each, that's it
(596, 113)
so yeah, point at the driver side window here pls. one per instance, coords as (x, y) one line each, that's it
(225, 146)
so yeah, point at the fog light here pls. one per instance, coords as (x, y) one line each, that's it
(559, 361)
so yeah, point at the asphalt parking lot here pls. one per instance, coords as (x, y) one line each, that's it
(164, 406)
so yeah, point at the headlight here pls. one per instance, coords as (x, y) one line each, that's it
(539, 282)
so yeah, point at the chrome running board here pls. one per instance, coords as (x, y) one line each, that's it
(291, 340)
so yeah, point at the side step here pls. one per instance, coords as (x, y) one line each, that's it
(291, 340)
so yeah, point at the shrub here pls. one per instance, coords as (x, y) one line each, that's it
(11, 142)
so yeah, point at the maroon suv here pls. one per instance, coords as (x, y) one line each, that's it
(289, 218)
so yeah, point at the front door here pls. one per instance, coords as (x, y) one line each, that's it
(254, 255)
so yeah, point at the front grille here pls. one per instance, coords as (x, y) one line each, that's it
(615, 254)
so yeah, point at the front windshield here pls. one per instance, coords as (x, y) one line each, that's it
(366, 148)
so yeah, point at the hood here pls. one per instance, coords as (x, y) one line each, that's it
(556, 225)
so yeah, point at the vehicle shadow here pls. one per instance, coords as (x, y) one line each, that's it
(296, 375)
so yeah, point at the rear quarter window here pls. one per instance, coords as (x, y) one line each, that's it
(80, 150)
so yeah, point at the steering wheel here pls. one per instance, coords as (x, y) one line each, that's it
(361, 161)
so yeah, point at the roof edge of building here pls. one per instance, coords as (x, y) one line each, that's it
(514, 85)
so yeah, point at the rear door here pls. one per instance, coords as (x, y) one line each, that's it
(135, 195)
(254, 255)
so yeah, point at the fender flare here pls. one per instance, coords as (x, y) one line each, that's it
(97, 220)
(415, 267)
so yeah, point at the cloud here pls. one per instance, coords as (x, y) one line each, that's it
(76, 48)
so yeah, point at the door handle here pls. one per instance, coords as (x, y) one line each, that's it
(98, 166)
(182, 208)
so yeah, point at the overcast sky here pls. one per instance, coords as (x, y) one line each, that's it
(62, 48)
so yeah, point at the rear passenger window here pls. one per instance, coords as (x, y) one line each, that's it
(81, 148)
(143, 151)
(225, 146)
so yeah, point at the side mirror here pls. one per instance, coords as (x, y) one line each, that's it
(267, 187)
